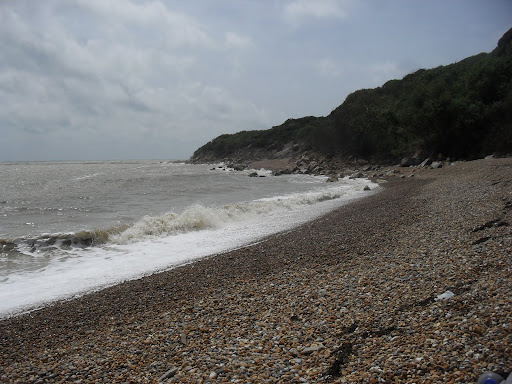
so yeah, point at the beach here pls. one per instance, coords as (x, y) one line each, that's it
(411, 284)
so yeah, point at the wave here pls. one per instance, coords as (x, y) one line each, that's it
(88, 176)
(194, 218)
(199, 217)
(45, 242)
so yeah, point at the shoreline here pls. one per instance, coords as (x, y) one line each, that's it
(349, 297)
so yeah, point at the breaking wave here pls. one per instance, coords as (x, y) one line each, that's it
(198, 217)
(194, 218)
(45, 242)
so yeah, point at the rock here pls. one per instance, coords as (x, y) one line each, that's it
(317, 169)
(253, 174)
(359, 175)
(425, 162)
(332, 179)
(170, 373)
(436, 164)
(312, 348)
(366, 188)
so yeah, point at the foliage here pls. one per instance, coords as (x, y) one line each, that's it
(462, 110)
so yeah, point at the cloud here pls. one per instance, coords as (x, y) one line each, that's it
(149, 17)
(234, 40)
(132, 72)
(300, 11)
(328, 68)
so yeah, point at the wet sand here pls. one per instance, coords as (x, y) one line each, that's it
(412, 284)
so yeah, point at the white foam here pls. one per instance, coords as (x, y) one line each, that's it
(163, 242)
(199, 217)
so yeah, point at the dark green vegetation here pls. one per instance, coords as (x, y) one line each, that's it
(461, 110)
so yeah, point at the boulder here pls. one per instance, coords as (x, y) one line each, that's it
(359, 175)
(253, 174)
(436, 164)
(332, 179)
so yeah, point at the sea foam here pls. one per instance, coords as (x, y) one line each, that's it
(199, 217)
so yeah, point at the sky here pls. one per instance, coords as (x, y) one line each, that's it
(136, 79)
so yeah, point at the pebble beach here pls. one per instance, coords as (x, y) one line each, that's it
(412, 284)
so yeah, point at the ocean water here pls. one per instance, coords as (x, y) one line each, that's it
(67, 228)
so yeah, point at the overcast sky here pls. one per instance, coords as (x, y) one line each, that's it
(130, 79)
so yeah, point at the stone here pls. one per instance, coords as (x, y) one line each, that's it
(312, 348)
(366, 188)
(425, 162)
(332, 179)
(359, 175)
(170, 373)
(436, 165)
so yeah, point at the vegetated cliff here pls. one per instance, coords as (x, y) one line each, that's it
(462, 110)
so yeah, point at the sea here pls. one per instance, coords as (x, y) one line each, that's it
(69, 228)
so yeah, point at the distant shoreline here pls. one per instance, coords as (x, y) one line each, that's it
(352, 295)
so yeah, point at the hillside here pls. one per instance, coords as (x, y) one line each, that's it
(462, 111)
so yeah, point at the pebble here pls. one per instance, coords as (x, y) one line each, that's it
(170, 373)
